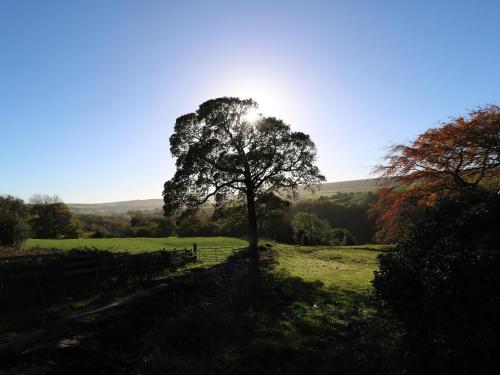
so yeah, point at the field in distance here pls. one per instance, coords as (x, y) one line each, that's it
(136, 244)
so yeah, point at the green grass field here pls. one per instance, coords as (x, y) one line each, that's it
(348, 268)
(136, 244)
(307, 311)
(344, 267)
(302, 310)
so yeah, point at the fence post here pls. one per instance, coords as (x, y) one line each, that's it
(96, 280)
(195, 251)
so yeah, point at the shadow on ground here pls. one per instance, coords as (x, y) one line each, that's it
(238, 317)
(263, 322)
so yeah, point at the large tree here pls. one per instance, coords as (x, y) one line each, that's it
(224, 151)
(461, 155)
(14, 228)
(51, 218)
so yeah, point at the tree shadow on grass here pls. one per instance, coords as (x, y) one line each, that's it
(255, 320)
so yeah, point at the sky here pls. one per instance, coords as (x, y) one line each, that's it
(90, 90)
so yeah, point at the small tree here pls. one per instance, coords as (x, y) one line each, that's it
(137, 218)
(222, 154)
(342, 237)
(14, 228)
(309, 229)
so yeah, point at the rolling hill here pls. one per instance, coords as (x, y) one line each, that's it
(117, 208)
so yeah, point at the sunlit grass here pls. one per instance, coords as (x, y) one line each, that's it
(137, 244)
(344, 267)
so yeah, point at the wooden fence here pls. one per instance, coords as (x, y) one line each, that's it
(46, 278)
(49, 277)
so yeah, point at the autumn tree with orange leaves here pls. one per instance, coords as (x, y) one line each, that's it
(462, 154)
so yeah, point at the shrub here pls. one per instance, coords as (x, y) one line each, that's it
(104, 225)
(443, 282)
(342, 237)
(309, 229)
(14, 229)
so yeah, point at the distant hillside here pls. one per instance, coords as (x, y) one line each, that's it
(353, 186)
(117, 208)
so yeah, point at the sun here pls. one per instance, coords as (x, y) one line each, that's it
(251, 116)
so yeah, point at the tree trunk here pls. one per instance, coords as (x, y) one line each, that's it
(252, 225)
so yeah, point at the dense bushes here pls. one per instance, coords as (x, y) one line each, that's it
(133, 224)
(309, 229)
(443, 281)
(99, 226)
(343, 210)
(14, 228)
(340, 210)
(53, 220)
(44, 217)
(342, 237)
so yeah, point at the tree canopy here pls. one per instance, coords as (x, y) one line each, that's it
(442, 282)
(462, 154)
(51, 218)
(14, 228)
(223, 153)
(309, 229)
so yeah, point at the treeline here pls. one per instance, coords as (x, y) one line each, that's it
(49, 217)
(44, 217)
(346, 211)
(132, 224)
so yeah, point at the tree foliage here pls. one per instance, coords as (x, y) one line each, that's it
(222, 155)
(132, 224)
(309, 229)
(460, 155)
(342, 237)
(51, 218)
(344, 210)
(14, 227)
(443, 282)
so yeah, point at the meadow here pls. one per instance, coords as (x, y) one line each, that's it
(343, 267)
(136, 244)
(304, 309)
(279, 312)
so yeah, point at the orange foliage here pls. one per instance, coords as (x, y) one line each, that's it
(461, 154)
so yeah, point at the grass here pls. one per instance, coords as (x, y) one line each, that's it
(343, 267)
(300, 310)
(136, 244)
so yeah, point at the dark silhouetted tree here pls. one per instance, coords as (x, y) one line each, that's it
(442, 281)
(222, 154)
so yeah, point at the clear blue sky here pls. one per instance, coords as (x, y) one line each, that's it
(90, 90)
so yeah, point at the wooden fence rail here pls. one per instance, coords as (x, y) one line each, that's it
(49, 277)
(44, 278)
